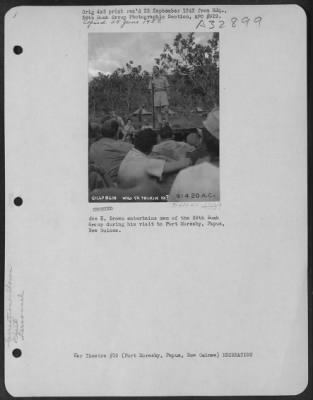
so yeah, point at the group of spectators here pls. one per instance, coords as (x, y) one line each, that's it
(155, 163)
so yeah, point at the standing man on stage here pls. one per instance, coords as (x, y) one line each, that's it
(159, 86)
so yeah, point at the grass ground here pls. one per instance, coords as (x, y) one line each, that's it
(183, 120)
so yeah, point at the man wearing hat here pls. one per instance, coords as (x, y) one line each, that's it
(201, 182)
(212, 123)
(206, 140)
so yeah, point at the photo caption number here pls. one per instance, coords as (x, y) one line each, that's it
(211, 24)
(245, 20)
(234, 22)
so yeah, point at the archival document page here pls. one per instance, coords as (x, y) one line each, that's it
(156, 200)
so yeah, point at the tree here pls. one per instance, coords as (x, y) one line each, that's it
(194, 68)
(124, 90)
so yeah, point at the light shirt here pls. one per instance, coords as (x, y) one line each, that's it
(172, 149)
(119, 120)
(129, 129)
(160, 83)
(198, 183)
(137, 167)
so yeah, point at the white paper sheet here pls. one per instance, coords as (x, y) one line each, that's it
(238, 288)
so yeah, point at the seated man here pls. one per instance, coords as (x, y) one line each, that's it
(98, 178)
(194, 138)
(171, 148)
(137, 166)
(129, 131)
(108, 153)
(202, 181)
(121, 125)
(208, 139)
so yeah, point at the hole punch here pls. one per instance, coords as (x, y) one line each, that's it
(18, 50)
(17, 353)
(18, 201)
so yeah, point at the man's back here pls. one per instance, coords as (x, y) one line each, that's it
(108, 154)
(138, 167)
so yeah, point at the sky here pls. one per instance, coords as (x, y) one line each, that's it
(108, 51)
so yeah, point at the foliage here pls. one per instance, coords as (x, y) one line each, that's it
(192, 70)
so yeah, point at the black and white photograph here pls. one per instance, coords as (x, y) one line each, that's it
(148, 255)
(153, 117)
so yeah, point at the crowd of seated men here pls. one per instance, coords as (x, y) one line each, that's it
(178, 166)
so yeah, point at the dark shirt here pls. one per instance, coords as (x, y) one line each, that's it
(108, 154)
